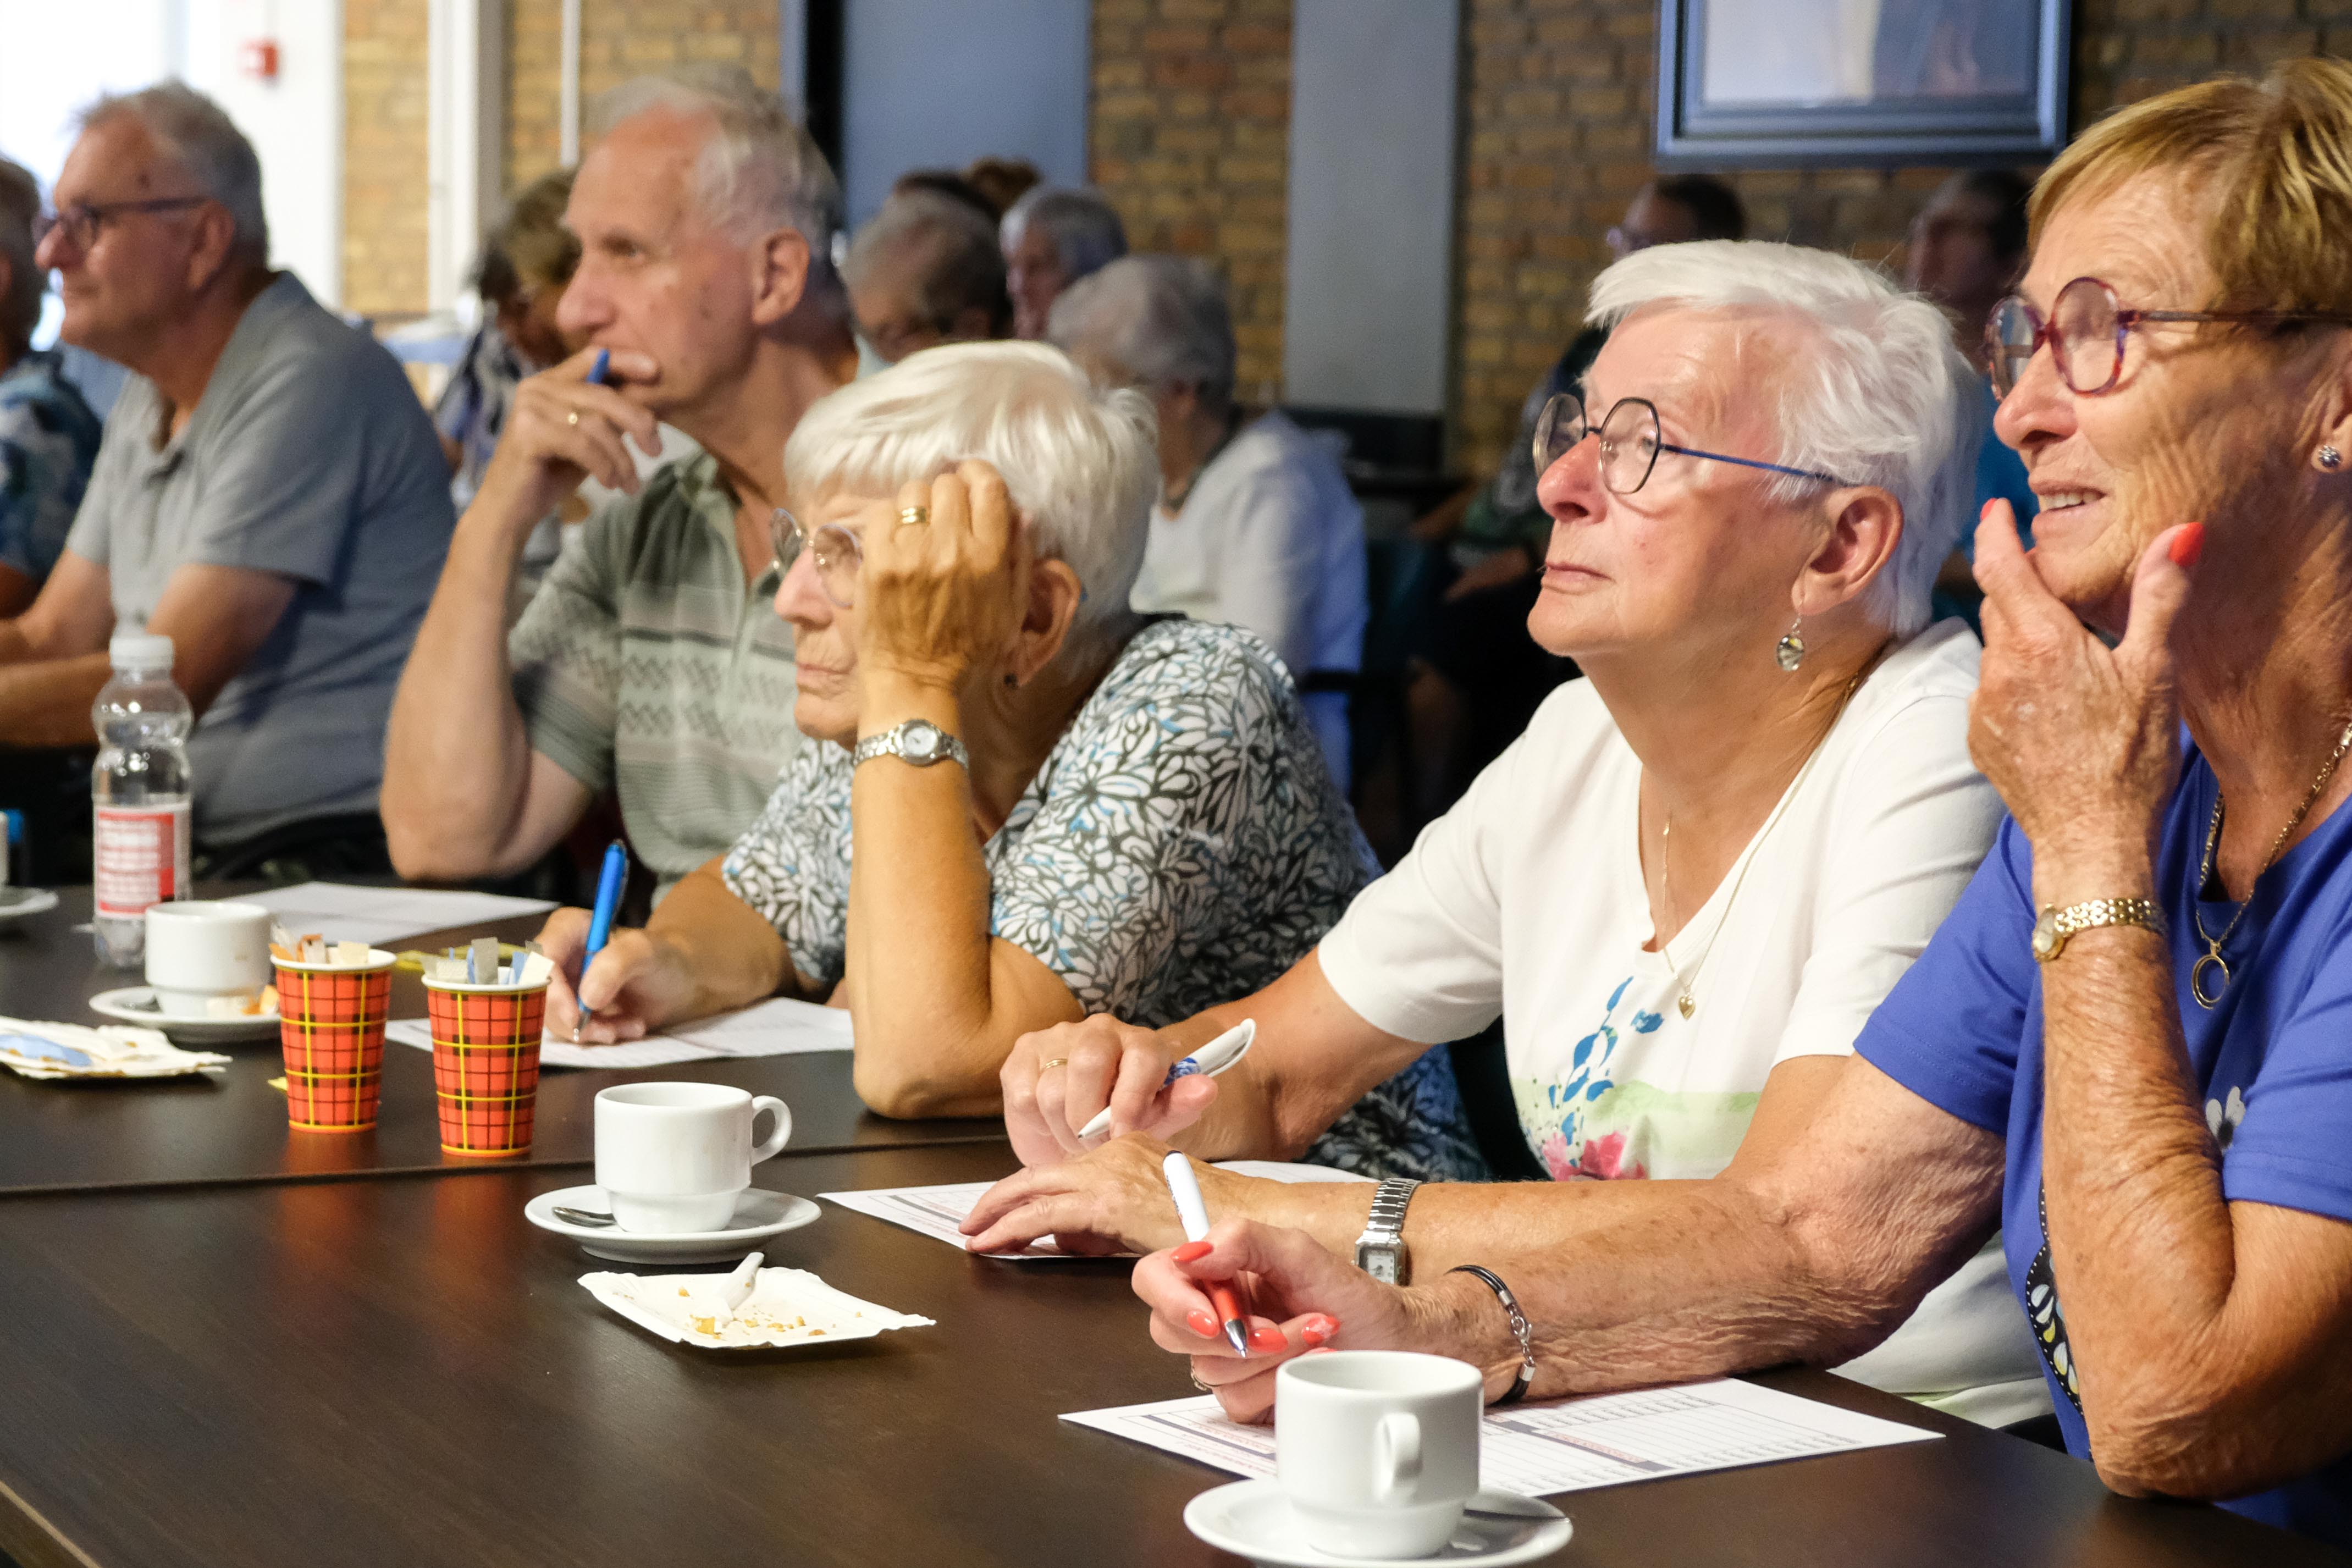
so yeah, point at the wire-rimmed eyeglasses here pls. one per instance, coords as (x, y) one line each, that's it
(80, 223)
(839, 557)
(1631, 440)
(2086, 330)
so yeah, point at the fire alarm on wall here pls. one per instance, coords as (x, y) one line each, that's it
(258, 58)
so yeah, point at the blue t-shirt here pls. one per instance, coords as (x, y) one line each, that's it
(2272, 1061)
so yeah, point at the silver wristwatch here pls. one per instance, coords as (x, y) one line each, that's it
(917, 741)
(1380, 1251)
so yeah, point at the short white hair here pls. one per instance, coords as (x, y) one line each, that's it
(1082, 463)
(1161, 318)
(1085, 229)
(1878, 394)
(758, 171)
(197, 134)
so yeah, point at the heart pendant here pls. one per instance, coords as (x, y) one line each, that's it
(1686, 1004)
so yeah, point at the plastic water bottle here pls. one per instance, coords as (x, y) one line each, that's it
(138, 793)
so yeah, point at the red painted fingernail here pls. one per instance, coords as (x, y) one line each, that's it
(1267, 1340)
(1324, 1323)
(1984, 511)
(1314, 1335)
(2187, 545)
(1201, 1324)
(1191, 1252)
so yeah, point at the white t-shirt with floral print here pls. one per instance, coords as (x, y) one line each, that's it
(1527, 899)
(1182, 846)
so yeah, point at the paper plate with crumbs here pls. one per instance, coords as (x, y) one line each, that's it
(786, 1307)
(74, 1051)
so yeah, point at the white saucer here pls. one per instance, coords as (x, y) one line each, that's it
(136, 1005)
(1252, 1519)
(15, 903)
(759, 1214)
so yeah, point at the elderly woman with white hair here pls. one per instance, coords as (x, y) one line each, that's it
(1256, 523)
(1052, 238)
(1034, 804)
(1687, 885)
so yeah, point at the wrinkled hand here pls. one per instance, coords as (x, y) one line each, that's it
(543, 453)
(634, 984)
(1112, 1200)
(1104, 1063)
(941, 601)
(1298, 1299)
(2081, 741)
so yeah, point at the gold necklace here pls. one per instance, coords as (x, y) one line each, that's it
(2212, 956)
(1685, 1002)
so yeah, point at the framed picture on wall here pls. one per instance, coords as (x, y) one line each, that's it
(1842, 82)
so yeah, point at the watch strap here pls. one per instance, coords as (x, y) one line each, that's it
(1384, 1229)
(2064, 924)
(1520, 1330)
(892, 742)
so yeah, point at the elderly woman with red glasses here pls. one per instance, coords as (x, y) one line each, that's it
(1030, 803)
(2129, 1045)
(1686, 885)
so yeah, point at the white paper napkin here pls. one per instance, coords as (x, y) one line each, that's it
(115, 1050)
(787, 1307)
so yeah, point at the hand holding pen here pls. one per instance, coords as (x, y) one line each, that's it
(615, 876)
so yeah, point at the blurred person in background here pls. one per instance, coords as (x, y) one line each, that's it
(526, 259)
(924, 271)
(945, 182)
(48, 436)
(1255, 524)
(1051, 239)
(1477, 676)
(268, 493)
(649, 662)
(1001, 181)
(1967, 251)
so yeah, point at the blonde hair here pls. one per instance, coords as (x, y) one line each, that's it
(2277, 155)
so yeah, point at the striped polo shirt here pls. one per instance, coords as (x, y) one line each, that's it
(646, 664)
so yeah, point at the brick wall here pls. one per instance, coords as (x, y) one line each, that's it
(1560, 119)
(1188, 137)
(618, 39)
(384, 171)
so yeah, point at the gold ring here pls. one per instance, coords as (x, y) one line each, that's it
(914, 516)
(1197, 1382)
(1050, 1065)
(572, 418)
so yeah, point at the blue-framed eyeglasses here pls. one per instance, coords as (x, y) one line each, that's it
(1631, 440)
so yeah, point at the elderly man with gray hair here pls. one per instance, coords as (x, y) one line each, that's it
(648, 661)
(48, 437)
(1256, 524)
(924, 271)
(1052, 238)
(270, 492)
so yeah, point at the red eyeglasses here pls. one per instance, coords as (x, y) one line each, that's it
(2086, 330)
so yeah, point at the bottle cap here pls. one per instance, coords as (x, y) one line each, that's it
(140, 650)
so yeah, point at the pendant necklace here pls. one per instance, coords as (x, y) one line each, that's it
(2211, 960)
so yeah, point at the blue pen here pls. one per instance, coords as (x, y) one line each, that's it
(600, 919)
(1207, 1062)
(604, 364)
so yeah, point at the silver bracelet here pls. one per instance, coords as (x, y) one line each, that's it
(1519, 1329)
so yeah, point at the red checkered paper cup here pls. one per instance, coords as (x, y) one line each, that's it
(486, 1064)
(330, 1030)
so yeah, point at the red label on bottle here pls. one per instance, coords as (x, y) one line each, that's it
(139, 857)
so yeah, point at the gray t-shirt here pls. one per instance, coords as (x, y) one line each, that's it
(311, 456)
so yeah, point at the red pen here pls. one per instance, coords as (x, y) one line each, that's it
(1186, 1191)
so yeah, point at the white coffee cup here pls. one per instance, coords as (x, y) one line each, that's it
(1377, 1451)
(674, 1157)
(199, 949)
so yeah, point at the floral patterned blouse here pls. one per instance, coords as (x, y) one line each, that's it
(1181, 845)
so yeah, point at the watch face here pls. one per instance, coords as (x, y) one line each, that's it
(921, 742)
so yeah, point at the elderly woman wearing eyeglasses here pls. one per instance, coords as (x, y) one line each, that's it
(1684, 887)
(1036, 803)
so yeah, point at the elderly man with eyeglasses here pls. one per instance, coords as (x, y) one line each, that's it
(647, 663)
(1686, 885)
(268, 493)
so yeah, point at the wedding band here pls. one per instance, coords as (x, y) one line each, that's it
(572, 418)
(914, 516)
(1055, 1062)
(1197, 1382)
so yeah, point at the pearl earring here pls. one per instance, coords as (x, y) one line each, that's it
(1790, 650)
(2330, 459)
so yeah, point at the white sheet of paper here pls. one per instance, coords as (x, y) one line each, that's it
(385, 917)
(1563, 1445)
(778, 1027)
(936, 1211)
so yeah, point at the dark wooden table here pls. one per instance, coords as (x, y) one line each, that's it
(62, 1135)
(407, 1374)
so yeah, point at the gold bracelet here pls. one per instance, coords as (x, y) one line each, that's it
(2056, 926)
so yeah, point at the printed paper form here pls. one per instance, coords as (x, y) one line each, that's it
(385, 917)
(779, 1026)
(938, 1212)
(1564, 1445)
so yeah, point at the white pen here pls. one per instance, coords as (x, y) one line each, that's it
(1186, 1190)
(1207, 1062)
